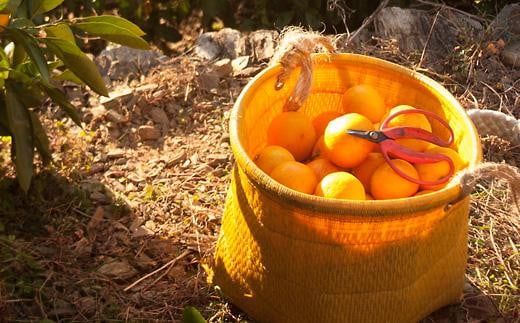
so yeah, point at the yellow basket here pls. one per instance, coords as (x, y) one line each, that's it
(283, 256)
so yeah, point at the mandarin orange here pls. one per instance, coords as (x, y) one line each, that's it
(293, 131)
(296, 176)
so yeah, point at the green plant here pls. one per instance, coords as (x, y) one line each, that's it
(36, 57)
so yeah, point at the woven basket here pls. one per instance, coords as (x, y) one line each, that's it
(283, 256)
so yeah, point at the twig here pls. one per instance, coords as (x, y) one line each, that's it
(429, 37)
(453, 9)
(368, 20)
(169, 263)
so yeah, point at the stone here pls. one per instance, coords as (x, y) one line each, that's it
(208, 81)
(118, 269)
(159, 116)
(263, 44)
(222, 67)
(148, 132)
(511, 54)
(506, 24)
(412, 27)
(120, 62)
(239, 63)
(226, 43)
(115, 97)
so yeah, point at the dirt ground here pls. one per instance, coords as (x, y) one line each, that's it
(117, 229)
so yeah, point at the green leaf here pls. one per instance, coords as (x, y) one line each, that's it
(114, 20)
(33, 50)
(78, 63)
(67, 75)
(4, 67)
(20, 23)
(20, 126)
(41, 140)
(40, 6)
(112, 33)
(61, 31)
(59, 98)
(192, 315)
(3, 4)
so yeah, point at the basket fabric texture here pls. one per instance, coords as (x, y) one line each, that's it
(284, 256)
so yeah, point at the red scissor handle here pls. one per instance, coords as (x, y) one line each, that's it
(417, 133)
(390, 148)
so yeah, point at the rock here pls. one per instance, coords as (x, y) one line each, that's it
(263, 44)
(226, 43)
(148, 132)
(511, 54)
(115, 153)
(115, 117)
(118, 269)
(239, 63)
(208, 81)
(159, 116)
(411, 28)
(96, 168)
(207, 47)
(222, 67)
(115, 97)
(506, 24)
(121, 62)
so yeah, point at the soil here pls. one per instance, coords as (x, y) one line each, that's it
(120, 226)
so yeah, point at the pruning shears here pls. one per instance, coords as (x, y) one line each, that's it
(390, 148)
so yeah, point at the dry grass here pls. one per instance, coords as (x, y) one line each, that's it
(113, 237)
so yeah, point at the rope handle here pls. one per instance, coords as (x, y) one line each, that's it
(295, 49)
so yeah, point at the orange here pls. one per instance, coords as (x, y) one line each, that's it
(410, 120)
(293, 131)
(322, 120)
(387, 184)
(365, 100)
(369, 197)
(4, 20)
(322, 167)
(434, 171)
(364, 171)
(271, 156)
(345, 150)
(296, 176)
(319, 150)
(340, 185)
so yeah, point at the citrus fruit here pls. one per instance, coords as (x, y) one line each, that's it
(340, 185)
(271, 156)
(364, 171)
(387, 184)
(365, 100)
(416, 120)
(322, 120)
(369, 197)
(434, 171)
(4, 20)
(296, 176)
(293, 131)
(343, 149)
(322, 167)
(319, 150)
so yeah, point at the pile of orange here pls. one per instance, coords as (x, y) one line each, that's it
(319, 157)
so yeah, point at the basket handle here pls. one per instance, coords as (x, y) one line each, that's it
(496, 123)
(294, 50)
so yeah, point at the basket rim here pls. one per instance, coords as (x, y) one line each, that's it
(443, 197)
